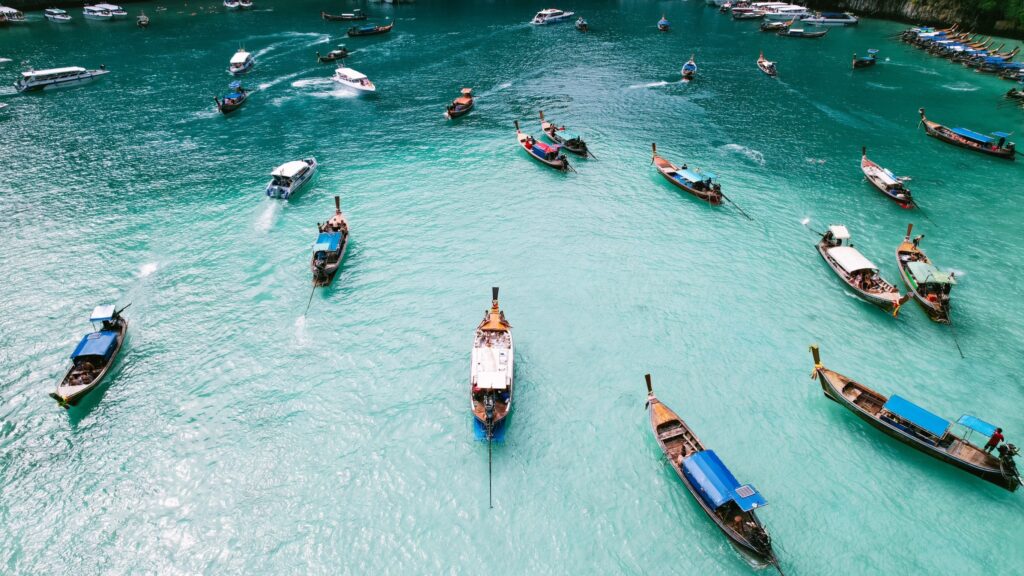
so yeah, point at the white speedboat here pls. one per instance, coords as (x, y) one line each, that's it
(57, 15)
(232, 4)
(115, 10)
(551, 15)
(35, 80)
(786, 13)
(832, 19)
(12, 15)
(289, 177)
(355, 80)
(241, 62)
(96, 13)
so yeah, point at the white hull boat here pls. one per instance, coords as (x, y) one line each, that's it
(36, 80)
(289, 177)
(354, 80)
(551, 16)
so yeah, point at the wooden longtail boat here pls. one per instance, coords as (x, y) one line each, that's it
(664, 25)
(93, 357)
(689, 70)
(700, 184)
(339, 53)
(886, 182)
(461, 105)
(857, 271)
(865, 61)
(730, 505)
(921, 429)
(572, 143)
(582, 25)
(549, 155)
(370, 30)
(767, 66)
(929, 285)
(356, 14)
(329, 249)
(972, 140)
(233, 101)
(491, 377)
(801, 33)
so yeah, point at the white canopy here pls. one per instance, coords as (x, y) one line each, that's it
(850, 259)
(52, 71)
(491, 380)
(240, 57)
(839, 232)
(111, 7)
(101, 313)
(351, 74)
(290, 169)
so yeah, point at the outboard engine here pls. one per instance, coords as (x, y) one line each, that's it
(489, 412)
(759, 537)
(1006, 463)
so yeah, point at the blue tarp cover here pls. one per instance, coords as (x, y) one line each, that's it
(96, 344)
(327, 241)
(1001, 134)
(976, 424)
(920, 417)
(717, 485)
(972, 135)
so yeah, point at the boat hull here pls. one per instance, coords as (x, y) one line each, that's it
(68, 396)
(933, 309)
(61, 83)
(828, 386)
(939, 132)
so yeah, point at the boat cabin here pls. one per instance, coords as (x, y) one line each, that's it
(720, 490)
(550, 15)
(327, 247)
(545, 151)
(350, 76)
(12, 14)
(983, 140)
(241, 60)
(932, 283)
(52, 74)
(914, 420)
(697, 180)
(286, 174)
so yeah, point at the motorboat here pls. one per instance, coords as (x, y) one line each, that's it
(768, 26)
(664, 25)
(233, 100)
(96, 13)
(831, 19)
(491, 369)
(549, 155)
(355, 80)
(582, 25)
(356, 14)
(115, 10)
(241, 62)
(689, 69)
(369, 30)
(245, 4)
(329, 248)
(93, 357)
(787, 12)
(339, 53)
(767, 66)
(289, 177)
(57, 15)
(572, 142)
(790, 32)
(34, 80)
(703, 185)
(232, 5)
(142, 21)
(551, 16)
(747, 13)
(12, 15)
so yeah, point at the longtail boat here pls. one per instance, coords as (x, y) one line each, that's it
(857, 271)
(703, 185)
(929, 285)
(571, 142)
(865, 61)
(93, 357)
(339, 53)
(921, 429)
(886, 182)
(549, 155)
(664, 25)
(728, 503)
(767, 66)
(370, 30)
(689, 69)
(491, 369)
(233, 100)
(461, 105)
(969, 139)
(329, 249)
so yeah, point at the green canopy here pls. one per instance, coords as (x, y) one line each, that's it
(927, 273)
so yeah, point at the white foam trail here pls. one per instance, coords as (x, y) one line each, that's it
(269, 216)
(300, 330)
(750, 153)
(339, 93)
(277, 81)
(147, 269)
(960, 87)
(307, 82)
(818, 161)
(805, 221)
(4, 60)
(205, 114)
(882, 86)
(650, 85)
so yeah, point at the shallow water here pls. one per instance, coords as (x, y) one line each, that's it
(238, 436)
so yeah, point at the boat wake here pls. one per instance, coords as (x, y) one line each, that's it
(960, 87)
(818, 161)
(307, 82)
(882, 86)
(206, 114)
(276, 81)
(4, 60)
(268, 217)
(147, 269)
(749, 153)
(650, 85)
(300, 329)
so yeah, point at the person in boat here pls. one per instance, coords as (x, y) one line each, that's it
(994, 441)
(917, 240)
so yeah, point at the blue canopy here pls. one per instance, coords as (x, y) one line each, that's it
(663, 22)
(716, 484)
(233, 96)
(1001, 134)
(972, 135)
(235, 85)
(916, 415)
(327, 242)
(96, 344)
(977, 424)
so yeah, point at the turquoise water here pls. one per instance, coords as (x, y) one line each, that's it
(238, 436)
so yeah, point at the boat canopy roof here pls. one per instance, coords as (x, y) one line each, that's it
(327, 242)
(916, 415)
(96, 344)
(290, 169)
(107, 6)
(351, 74)
(53, 71)
(663, 21)
(492, 380)
(850, 259)
(972, 135)
(839, 232)
(235, 85)
(1001, 134)
(240, 57)
(977, 424)
(695, 175)
(927, 273)
(101, 313)
(716, 484)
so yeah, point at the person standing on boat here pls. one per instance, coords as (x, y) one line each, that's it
(917, 240)
(994, 441)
